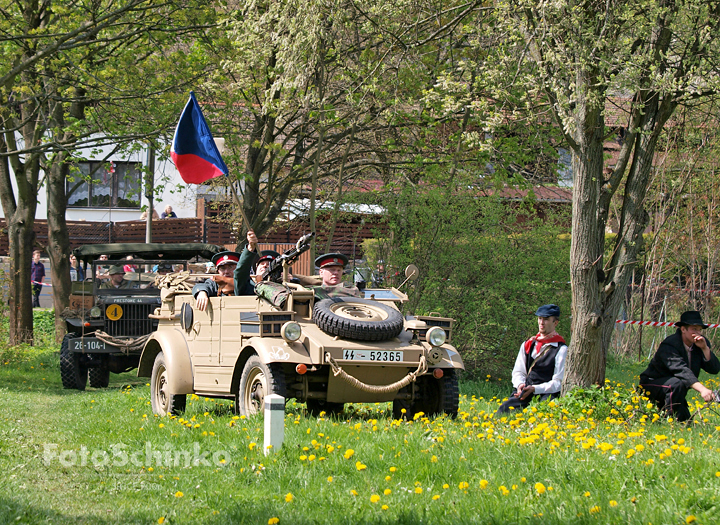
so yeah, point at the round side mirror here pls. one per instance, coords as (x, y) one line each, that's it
(412, 272)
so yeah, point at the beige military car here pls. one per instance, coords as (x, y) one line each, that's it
(324, 353)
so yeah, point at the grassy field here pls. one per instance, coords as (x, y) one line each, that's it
(100, 456)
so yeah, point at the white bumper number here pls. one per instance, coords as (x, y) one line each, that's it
(373, 355)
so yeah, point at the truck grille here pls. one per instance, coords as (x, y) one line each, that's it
(134, 321)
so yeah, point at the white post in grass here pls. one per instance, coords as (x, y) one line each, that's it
(274, 423)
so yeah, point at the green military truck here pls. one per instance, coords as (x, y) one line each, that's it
(107, 326)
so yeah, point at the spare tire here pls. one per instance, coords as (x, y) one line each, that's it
(357, 319)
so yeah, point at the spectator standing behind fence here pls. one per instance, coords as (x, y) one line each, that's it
(168, 213)
(676, 366)
(76, 271)
(540, 363)
(37, 275)
(143, 215)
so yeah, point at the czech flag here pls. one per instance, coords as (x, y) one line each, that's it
(193, 150)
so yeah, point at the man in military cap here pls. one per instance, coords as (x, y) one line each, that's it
(676, 366)
(540, 363)
(221, 284)
(117, 279)
(244, 282)
(331, 266)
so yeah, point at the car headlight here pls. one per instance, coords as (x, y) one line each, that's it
(291, 331)
(95, 311)
(435, 336)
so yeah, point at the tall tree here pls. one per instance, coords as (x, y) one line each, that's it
(322, 87)
(76, 77)
(582, 59)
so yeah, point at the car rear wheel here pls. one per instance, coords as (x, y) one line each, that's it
(162, 401)
(357, 319)
(316, 406)
(257, 381)
(73, 372)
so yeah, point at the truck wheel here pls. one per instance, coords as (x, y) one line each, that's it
(398, 406)
(357, 319)
(72, 372)
(439, 396)
(162, 401)
(315, 406)
(257, 381)
(99, 376)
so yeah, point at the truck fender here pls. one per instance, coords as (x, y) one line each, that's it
(177, 360)
(270, 351)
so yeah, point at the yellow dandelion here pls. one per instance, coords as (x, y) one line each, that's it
(387, 492)
(418, 490)
(587, 494)
(179, 494)
(329, 479)
(384, 507)
(540, 488)
(360, 466)
(252, 446)
(289, 497)
(613, 503)
(463, 485)
(348, 453)
(595, 509)
(483, 484)
(161, 520)
(273, 521)
(388, 478)
(436, 497)
(446, 486)
(353, 492)
(690, 519)
(393, 469)
(374, 498)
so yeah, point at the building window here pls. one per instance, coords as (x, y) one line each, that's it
(105, 185)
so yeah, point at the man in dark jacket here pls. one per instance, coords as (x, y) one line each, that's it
(540, 363)
(676, 365)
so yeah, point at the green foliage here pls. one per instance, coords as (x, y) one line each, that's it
(482, 262)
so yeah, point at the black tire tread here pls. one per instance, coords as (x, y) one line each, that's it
(99, 376)
(274, 376)
(72, 373)
(357, 330)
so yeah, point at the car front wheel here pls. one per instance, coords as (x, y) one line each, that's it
(257, 381)
(162, 401)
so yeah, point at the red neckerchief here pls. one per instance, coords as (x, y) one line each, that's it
(557, 338)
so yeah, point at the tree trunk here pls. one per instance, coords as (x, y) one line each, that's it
(58, 240)
(586, 356)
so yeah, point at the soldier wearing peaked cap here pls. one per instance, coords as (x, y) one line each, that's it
(331, 266)
(676, 366)
(219, 285)
(244, 283)
(540, 363)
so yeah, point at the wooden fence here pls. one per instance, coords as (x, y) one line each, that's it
(347, 238)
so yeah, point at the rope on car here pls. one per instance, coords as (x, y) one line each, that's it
(126, 344)
(377, 389)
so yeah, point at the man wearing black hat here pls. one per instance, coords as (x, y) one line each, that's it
(219, 285)
(331, 266)
(676, 365)
(540, 363)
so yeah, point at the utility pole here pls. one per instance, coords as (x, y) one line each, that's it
(149, 192)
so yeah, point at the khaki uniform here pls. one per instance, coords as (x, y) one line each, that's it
(339, 290)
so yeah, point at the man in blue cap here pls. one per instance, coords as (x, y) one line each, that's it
(676, 366)
(540, 363)
(330, 267)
